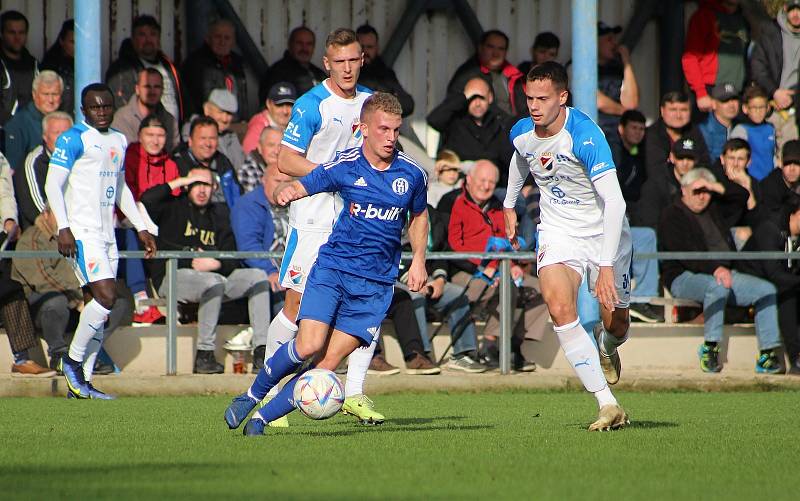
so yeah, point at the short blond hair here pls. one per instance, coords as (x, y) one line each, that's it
(381, 101)
(447, 158)
(341, 37)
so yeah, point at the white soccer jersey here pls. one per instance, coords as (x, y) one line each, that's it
(95, 161)
(322, 125)
(563, 167)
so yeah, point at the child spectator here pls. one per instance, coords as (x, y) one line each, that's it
(448, 176)
(757, 132)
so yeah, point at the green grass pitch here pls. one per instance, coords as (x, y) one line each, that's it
(503, 445)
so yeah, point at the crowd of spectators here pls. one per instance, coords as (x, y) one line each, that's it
(718, 169)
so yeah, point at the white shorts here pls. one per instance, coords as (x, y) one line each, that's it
(582, 255)
(95, 260)
(300, 255)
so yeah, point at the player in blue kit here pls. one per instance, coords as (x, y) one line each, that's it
(583, 230)
(350, 286)
(85, 182)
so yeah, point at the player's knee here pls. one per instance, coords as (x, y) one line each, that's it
(106, 297)
(562, 312)
(308, 346)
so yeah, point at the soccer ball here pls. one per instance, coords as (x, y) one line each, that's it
(318, 394)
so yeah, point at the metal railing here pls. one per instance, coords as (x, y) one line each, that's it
(505, 259)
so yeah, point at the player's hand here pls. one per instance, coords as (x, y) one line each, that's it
(417, 275)
(206, 264)
(704, 103)
(12, 229)
(605, 289)
(783, 98)
(66, 242)
(437, 287)
(286, 193)
(723, 277)
(510, 216)
(274, 281)
(149, 244)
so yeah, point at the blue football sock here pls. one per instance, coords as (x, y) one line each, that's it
(282, 363)
(281, 404)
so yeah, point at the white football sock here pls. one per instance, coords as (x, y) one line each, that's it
(92, 320)
(281, 331)
(585, 360)
(357, 366)
(92, 349)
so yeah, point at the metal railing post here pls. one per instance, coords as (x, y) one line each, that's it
(172, 316)
(506, 313)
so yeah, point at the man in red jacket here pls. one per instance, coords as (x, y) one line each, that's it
(478, 215)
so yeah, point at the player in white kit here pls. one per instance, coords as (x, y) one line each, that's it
(583, 230)
(85, 182)
(324, 122)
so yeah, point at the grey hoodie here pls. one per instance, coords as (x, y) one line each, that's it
(791, 53)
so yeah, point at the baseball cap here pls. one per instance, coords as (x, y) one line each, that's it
(791, 4)
(604, 29)
(282, 92)
(224, 100)
(685, 148)
(791, 152)
(724, 92)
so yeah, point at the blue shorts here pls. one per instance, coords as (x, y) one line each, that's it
(351, 304)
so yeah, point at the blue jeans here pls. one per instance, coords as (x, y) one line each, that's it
(458, 318)
(745, 290)
(645, 271)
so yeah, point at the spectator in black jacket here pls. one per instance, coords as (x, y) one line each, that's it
(19, 67)
(629, 156)
(143, 50)
(192, 221)
(29, 181)
(473, 128)
(781, 234)
(216, 66)
(60, 57)
(545, 48)
(739, 207)
(375, 74)
(295, 67)
(694, 223)
(781, 188)
(674, 124)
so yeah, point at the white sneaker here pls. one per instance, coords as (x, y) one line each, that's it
(241, 341)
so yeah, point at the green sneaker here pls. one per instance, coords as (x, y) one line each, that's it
(709, 358)
(281, 422)
(363, 409)
(769, 363)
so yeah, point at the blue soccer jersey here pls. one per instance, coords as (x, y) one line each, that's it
(366, 237)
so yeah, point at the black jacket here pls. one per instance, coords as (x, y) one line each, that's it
(29, 186)
(470, 141)
(766, 60)
(377, 76)
(203, 72)
(771, 235)
(229, 188)
(631, 170)
(658, 192)
(16, 81)
(775, 195)
(678, 230)
(55, 59)
(123, 73)
(183, 226)
(287, 69)
(733, 204)
(657, 145)
(471, 68)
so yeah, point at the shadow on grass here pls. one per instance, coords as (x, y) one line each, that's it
(422, 420)
(386, 428)
(648, 425)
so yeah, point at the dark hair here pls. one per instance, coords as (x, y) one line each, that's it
(152, 121)
(202, 121)
(736, 144)
(632, 116)
(546, 40)
(145, 20)
(486, 34)
(297, 30)
(675, 96)
(753, 91)
(66, 27)
(150, 71)
(12, 15)
(551, 70)
(366, 29)
(95, 87)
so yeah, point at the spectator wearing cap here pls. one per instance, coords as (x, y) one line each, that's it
(774, 67)
(295, 66)
(673, 124)
(489, 63)
(663, 186)
(260, 159)
(715, 51)
(18, 67)
(143, 50)
(276, 113)
(375, 74)
(222, 107)
(215, 65)
(617, 90)
(782, 187)
(717, 125)
(148, 92)
(545, 48)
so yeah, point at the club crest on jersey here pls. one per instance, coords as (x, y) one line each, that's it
(296, 275)
(546, 160)
(400, 186)
(356, 128)
(115, 157)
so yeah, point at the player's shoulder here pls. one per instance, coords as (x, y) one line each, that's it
(412, 166)
(363, 91)
(312, 99)
(523, 126)
(344, 158)
(73, 137)
(580, 125)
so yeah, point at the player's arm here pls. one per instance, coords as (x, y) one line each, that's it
(418, 237)
(304, 123)
(517, 173)
(293, 163)
(127, 205)
(607, 187)
(54, 189)
(323, 178)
